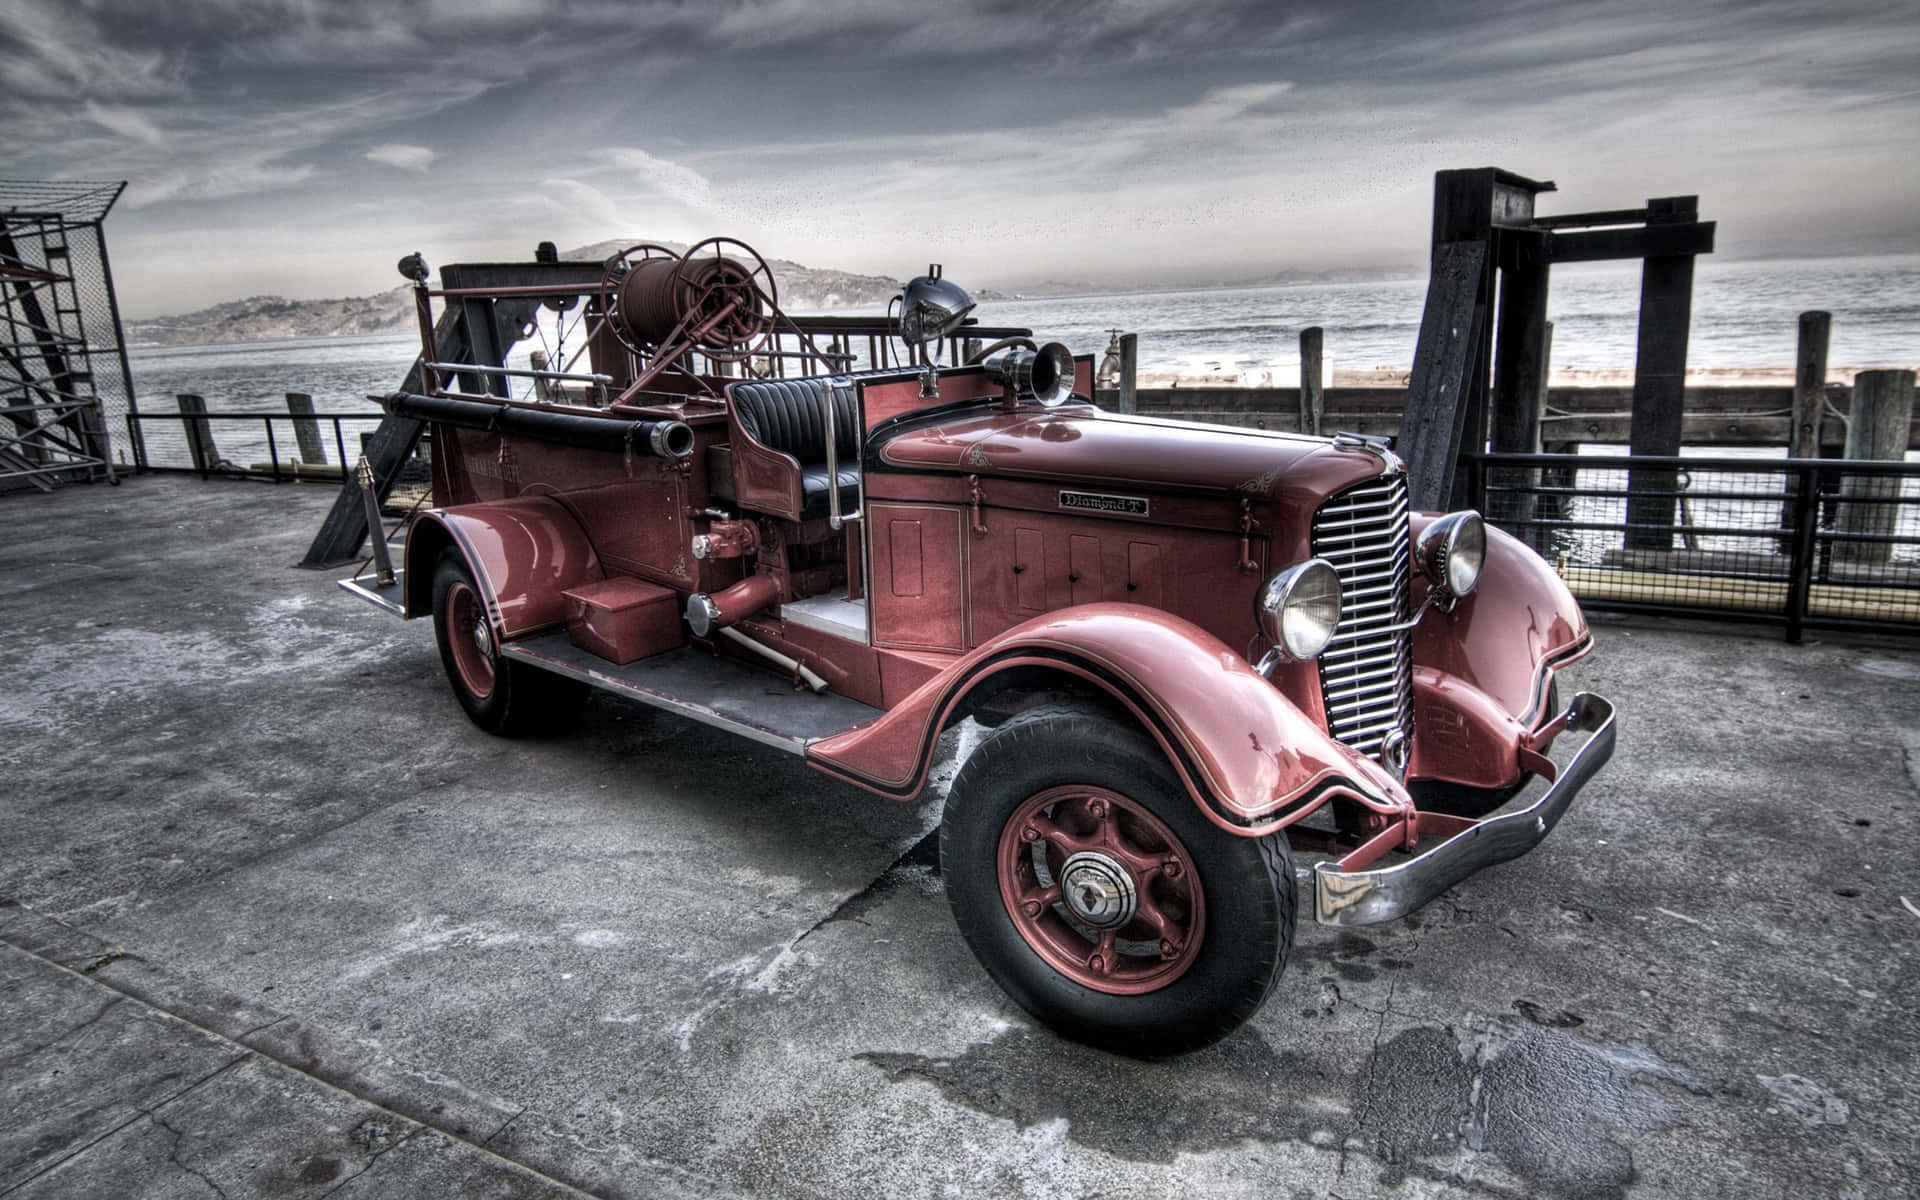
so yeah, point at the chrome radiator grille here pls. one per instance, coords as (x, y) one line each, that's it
(1366, 675)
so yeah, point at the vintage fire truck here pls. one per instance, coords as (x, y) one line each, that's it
(1200, 651)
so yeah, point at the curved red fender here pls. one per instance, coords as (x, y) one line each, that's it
(1251, 760)
(1484, 669)
(523, 553)
(1519, 626)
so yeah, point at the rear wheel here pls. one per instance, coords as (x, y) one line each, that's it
(500, 695)
(1096, 893)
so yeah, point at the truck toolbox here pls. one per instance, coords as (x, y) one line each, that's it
(623, 619)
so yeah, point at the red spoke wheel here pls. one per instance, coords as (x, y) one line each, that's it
(470, 638)
(1097, 893)
(499, 695)
(1101, 889)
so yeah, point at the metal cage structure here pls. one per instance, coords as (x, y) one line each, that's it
(64, 378)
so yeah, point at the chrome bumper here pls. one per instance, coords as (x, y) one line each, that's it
(1389, 893)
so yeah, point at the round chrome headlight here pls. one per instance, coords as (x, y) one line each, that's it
(1300, 608)
(1452, 551)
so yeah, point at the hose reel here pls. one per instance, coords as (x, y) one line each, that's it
(718, 298)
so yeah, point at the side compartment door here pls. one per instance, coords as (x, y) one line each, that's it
(915, 585)
(1034, 563)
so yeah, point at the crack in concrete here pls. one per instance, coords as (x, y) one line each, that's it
(173, 1156)
(504, 1126)
(1373, 1064)
(925, 852)
(379, 1154)
(137, 1114)
(757, 973)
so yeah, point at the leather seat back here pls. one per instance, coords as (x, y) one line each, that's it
(790, 415)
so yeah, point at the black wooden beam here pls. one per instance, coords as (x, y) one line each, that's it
(1520, 346)
(1660, 376)
(1648, 241)
(1451, 331)
(1617, 216)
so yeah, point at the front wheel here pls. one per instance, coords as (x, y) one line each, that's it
(1100, 898)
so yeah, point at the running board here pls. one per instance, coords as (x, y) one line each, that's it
(704, 687)
(390, 597)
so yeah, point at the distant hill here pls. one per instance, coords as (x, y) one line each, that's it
(265, 318)
(801, 288)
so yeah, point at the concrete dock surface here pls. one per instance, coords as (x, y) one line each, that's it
(275, 919)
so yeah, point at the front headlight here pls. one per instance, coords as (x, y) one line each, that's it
(1452, 551)
(1300, 608)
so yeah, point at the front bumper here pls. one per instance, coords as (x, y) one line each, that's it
(1369, 897)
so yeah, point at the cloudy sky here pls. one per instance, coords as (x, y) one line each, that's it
(300, 146)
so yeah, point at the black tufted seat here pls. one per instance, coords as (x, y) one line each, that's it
(789, 416)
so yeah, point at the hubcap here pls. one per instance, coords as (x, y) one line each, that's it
(1098, 890)
(1101, 889)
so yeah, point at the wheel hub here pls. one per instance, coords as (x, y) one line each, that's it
(1097, 890)
(483, 638)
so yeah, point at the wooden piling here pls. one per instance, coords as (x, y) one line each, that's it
(1876, 429)
(1659, 378)
(1809, 400)
(1809, 385)
(1313, 396)
(199, 433)
(306, 430)
(1129, 372)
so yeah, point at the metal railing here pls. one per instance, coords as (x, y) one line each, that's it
(278, 446)
(1803, 543)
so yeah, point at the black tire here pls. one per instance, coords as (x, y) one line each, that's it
(519, 699)
(1246, 884)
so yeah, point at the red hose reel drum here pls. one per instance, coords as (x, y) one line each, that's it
(719, 297)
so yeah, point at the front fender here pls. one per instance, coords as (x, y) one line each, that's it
(1507, 639)
(1251, 759)
(524, 554)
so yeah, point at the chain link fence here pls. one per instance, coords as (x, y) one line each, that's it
(63, 373)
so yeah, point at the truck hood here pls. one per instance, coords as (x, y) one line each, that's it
(1082, 444)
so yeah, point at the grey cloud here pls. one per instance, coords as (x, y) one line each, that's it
(1017, 137)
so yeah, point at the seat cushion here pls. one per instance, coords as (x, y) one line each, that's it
(813, 491)
(790, 415)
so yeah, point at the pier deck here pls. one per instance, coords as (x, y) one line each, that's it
(276, 918)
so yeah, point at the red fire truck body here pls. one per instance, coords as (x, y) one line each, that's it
(1200, 650)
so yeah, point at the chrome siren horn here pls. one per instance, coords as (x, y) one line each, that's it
(1045, 374)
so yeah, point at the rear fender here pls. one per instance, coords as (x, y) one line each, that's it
(1250, 759)
(524, 554)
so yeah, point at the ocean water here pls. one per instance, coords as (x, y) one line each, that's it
(1744, 315)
